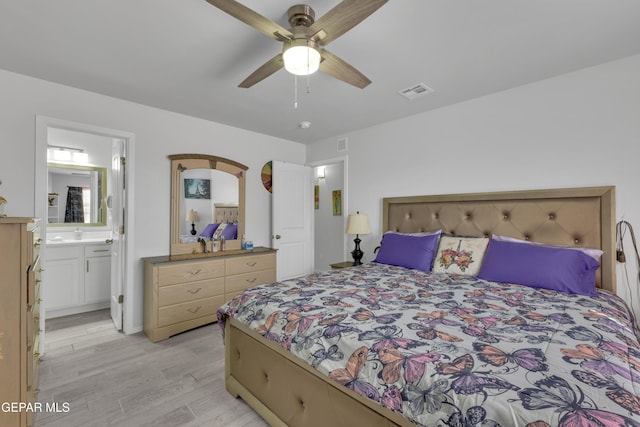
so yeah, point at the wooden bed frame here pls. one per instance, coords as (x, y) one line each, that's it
(286, 391)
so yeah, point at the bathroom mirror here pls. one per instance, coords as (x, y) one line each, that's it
(205, 189)
(76, 195)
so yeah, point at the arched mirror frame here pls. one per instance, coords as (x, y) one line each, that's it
(182, 162)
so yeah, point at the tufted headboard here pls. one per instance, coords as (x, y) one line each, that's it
(570, 217)
(225, 213)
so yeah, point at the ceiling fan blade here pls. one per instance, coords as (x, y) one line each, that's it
(341, 70)
(265, 70)
(253, 19)
(344, 17)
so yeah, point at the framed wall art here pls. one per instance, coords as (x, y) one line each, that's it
(336, 196)
(196, 188)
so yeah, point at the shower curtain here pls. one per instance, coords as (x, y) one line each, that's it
(74, 211)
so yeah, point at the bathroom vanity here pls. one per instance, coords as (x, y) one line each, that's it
(78, 276)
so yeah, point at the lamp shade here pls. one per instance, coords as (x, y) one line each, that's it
(192, 216)
(358, 224)
(300, 59)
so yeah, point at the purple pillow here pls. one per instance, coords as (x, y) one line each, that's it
(406, 250)
(230, 232)
(209, 230)
(555, 268)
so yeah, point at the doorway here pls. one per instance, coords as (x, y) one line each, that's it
(48, 133)
(329, 221)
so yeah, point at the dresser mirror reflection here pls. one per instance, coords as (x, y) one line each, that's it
(205, 189)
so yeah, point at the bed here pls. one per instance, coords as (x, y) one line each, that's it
(385, 345)
(225, 224)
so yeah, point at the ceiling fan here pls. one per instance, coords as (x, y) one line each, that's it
(303, 52)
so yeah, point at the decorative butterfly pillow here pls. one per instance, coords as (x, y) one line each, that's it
(218, 233)
(460, 255)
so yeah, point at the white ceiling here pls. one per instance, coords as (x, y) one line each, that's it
(189, 57)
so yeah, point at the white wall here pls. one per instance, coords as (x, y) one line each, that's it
(157, 134)
(574, 130)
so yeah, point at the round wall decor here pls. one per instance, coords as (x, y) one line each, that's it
(266, 175)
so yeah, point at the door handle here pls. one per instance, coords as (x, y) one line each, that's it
(277, 236)
(109, 241)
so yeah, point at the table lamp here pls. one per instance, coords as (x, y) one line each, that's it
(357, 224)
(192, 217)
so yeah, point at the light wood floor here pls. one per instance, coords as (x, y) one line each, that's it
(111, 379)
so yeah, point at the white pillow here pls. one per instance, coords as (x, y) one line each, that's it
(592, 252)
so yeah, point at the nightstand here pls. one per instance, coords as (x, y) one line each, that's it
(339, 265)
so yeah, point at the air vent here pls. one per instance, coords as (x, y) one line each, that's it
(342, 144)
(415, 91)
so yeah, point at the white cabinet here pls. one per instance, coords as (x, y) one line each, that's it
(78, 278)
(97, 273)
(62, 272)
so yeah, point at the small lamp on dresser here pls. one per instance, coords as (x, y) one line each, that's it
(357, 224)
(192, 217)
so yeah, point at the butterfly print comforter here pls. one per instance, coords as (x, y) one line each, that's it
(452, 350)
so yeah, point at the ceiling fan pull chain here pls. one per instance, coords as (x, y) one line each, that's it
(295, 92)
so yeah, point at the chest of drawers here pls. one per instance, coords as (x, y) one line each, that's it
(184, 292)
(19, 317)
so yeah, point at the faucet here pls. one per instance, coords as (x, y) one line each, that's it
(203, 243)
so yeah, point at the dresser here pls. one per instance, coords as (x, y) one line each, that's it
(182, 292)
(19, 319)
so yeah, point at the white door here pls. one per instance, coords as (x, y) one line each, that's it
(292, 205)
(116, 207)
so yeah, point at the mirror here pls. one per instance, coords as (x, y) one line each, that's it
(76, 195)
(211, 187)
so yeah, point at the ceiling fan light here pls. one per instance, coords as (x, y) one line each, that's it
(301, 60)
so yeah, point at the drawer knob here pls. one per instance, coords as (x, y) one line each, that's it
(194, 291)
(193, 273)
(252, 280)
(194, 310)
(251, 264)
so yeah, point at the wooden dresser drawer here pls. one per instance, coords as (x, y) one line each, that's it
(19, 323)
(172, 274)
(246, 264)
(29, 325)
(33, 359)
(182, 293)
(174, 294)
(243, 281)
(189, 310)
